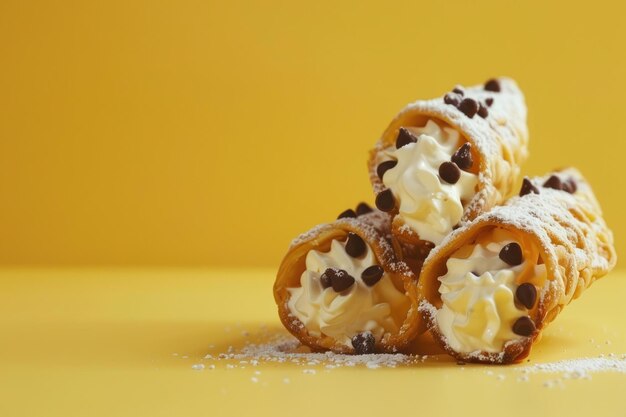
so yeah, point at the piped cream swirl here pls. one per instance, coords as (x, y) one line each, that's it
(478, 295)
(378, 309)
(428, 205)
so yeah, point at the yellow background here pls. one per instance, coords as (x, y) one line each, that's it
(212, 132)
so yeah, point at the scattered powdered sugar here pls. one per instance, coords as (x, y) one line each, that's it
(286, 349)
(280, 348)
(551, 383)
(579, 368)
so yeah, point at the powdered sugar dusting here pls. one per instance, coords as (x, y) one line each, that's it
(371, 224)
(372, 227)
(282, 352)
(286, 349)
(581, 368)
(276, 347)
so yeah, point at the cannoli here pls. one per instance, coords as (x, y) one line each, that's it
(442, 162)
(493, 285)
(341, 288)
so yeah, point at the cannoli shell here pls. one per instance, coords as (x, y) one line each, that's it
(374, 229)
(571, 237)
(499, 147)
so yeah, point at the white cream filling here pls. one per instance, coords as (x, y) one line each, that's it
(478, 295)
(343, 315)
(428, 205)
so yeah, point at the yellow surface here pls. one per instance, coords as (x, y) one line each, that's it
(178, 132)
(101, 342)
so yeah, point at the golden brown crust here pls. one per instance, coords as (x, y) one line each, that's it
(372, 230)
(572, 240)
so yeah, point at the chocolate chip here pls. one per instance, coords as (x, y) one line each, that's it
(469, 107)
(573, 185)
(405, 136)
(527, 188)
(340, 280)
(363, 208)
(524, 326)
(565, 186)
(325, 278)
(384, 167)
(463, 157)
(569, 185)
(355, 246)
(553, 182)
(489, 101)
(452, 99)
(363, 343)
(449, 172)
(371, 275)
(482, 110)
(346, 214)
(459, 91)
(492, 85)
(526, 294)
(385, 200)
(512, 254)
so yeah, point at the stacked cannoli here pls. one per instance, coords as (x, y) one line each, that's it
(460, 252)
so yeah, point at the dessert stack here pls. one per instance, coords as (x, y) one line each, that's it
(461, 253)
